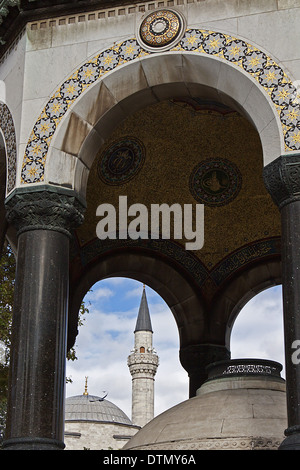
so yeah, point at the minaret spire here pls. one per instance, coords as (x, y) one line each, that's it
(143, 363)
(143, 322)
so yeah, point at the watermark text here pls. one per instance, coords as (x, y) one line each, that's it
(135, 221)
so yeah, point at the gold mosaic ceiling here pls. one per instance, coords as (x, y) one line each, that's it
(177, 139)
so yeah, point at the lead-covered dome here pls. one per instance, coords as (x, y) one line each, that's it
(242, 405)
(94, 408)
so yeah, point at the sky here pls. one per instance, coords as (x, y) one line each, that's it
(106, 339)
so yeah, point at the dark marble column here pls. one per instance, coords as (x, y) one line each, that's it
(44, 219)
(195, 358)
(3, 221)
(282, 179)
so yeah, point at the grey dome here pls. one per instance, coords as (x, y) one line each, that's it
(242, 406)
(93, 408)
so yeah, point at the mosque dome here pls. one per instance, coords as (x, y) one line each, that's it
(93, 408)
(242, 405)
(92, 422)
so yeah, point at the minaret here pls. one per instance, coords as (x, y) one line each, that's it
(143, 363)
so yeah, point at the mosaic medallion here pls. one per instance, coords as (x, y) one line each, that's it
(121, 161)
(215, 182)
(161, 29)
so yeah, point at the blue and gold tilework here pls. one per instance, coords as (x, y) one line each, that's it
(8, 130)
(269, 76)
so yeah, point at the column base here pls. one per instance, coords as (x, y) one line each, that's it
(292, 441)
(32, 443)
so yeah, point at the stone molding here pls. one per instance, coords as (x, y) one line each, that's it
(45, 208)
(224, 443)
(282, 179)
(143, 363)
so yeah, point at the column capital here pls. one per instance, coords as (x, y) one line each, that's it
(194, 359)
(45, 208)
(282, 179)
(200, 355)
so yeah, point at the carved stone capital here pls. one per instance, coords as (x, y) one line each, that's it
(282, 179)
(196, 357)
(44, 208)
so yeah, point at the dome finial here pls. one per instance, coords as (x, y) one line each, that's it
(85, 388)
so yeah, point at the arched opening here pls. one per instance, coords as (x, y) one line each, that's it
(206, 287)
(87, 125)
(179, 134)
(106, 339)
(258, 328)
(188, 117)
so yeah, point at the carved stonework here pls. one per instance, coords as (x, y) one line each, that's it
(229, 443)
(282, 179)
(196, 357)
(143, 363)
(44, 209)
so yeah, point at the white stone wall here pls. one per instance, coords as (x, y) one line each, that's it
(12, 70)
(143, 339)
(142, 400)
(96, 435)
(51, 50)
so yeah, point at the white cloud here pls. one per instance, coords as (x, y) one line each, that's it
(135, 292)
(106, 339)
(99, 293)
(258, 330)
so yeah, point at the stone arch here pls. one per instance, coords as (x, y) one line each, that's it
(164, 274)
(246, 283)
(78, 117)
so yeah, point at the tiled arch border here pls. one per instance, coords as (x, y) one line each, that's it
(8, 130)
(269, 76)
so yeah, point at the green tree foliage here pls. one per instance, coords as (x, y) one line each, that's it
(7, 282)
(71, 354)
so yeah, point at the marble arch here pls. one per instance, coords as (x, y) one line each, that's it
(185, 302)
(125, 77)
